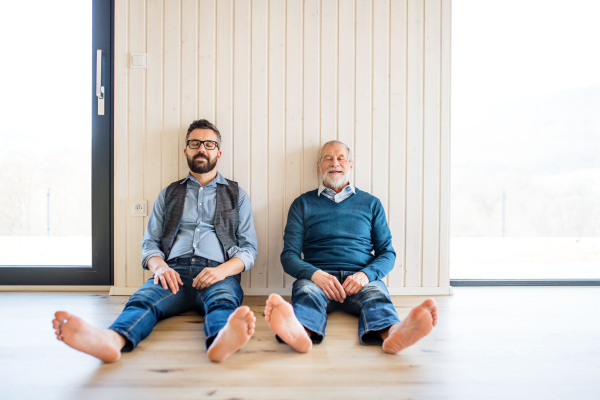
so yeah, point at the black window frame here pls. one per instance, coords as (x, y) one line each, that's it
(101, 272)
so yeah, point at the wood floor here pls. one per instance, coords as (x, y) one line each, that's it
(490, 343)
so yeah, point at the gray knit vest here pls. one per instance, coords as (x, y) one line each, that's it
(226, 215)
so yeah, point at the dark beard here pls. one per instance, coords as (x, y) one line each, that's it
(198, 168)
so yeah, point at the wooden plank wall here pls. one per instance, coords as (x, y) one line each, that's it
(279, 78)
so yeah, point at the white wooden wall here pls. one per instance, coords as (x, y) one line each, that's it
(278, 78)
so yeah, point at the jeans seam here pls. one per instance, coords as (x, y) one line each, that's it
(362, 314)
(205, 313)
(146, 313)
(321, 328)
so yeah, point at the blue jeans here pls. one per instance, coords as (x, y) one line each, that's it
(372, 304)
(151, 303)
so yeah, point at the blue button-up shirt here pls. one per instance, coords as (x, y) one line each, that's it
(196, 235)
(337, 197)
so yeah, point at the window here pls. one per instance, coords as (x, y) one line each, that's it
(525, 192)
(55, 146)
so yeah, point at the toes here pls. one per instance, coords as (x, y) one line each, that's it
(275, 299)
(251, 318)
(62, 315)
(430, 305)
(243, 310)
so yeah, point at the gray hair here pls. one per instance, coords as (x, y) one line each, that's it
(333, 142)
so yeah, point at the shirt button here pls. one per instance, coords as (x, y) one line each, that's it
(199, 204)
(194, 245)
(197, 230)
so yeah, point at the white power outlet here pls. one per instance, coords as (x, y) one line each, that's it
(139, 208)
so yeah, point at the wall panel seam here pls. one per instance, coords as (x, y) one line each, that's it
(422, 137)
(405, 143)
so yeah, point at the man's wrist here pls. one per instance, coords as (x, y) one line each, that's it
(156, 262)
(312, 277)
(232, 267)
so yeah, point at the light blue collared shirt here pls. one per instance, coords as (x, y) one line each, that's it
(196, 234)
(337, 197)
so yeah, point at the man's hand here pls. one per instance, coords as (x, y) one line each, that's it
(330, 285)
(209, 276)
(167, 276)
(354, 283)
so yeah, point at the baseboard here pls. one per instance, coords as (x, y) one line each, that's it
(53, 288)
(395, 291)
(421, 291)
(122, 290)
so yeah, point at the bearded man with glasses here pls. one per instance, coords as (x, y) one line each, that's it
(200, 237)
(346, 244)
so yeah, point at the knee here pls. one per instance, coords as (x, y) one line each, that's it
(146, 297)
(373, 292)
(222, 299)
(304, 288)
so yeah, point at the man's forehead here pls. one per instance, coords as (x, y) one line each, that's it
(203, 133)
(334, 149)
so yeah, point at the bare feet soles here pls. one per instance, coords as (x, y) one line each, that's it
(279, 314)
(104, 344)
(419, 322)
(234, 335)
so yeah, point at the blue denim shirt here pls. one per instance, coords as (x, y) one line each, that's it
(196, 234)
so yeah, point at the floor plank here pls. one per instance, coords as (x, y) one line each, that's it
(490, 343)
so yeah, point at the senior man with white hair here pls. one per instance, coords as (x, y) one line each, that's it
(347, 247)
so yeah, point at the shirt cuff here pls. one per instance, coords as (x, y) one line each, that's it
(149, 255)
(246, 258)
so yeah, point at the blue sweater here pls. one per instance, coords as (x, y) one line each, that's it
(337, 236)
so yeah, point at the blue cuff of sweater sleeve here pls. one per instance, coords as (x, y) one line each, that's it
(307, 272)
(370, 274)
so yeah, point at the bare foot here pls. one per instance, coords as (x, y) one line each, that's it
(280, 316)
(234, 335)
(104, 344)
(419, 322)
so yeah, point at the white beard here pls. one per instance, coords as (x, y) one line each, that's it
(335, 182)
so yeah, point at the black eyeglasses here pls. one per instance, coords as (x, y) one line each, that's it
(208, 144)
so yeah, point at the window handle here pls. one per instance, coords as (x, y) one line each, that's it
(99, 87)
